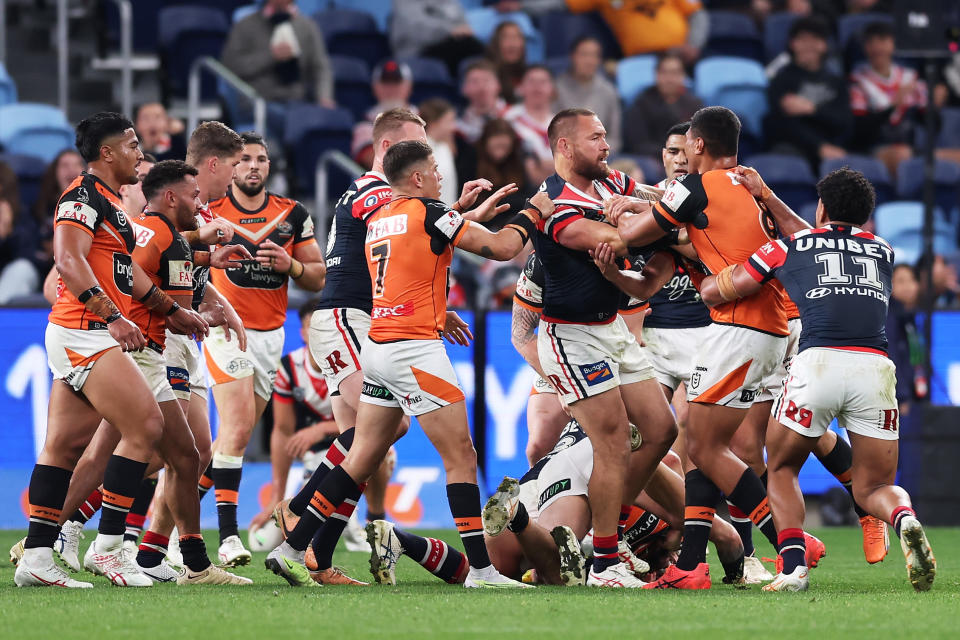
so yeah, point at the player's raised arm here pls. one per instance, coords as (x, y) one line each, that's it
(742, 280)
(507, 243)
(787, 221)
(636, 284)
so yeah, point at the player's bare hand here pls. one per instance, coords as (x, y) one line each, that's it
(564, 405)
(491, 206)
(543, 202)
(219, 231)
(229, 256)
(189, 323)
(212, 312)
(456, 331)
(235, 324)
(127, 334)
(300, 442)
(263, 517)
(606, 260)
(272, 255)
(614, 208)
(471, 191)
(750, 178)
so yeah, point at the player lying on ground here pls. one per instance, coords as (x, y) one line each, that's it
(840, 277)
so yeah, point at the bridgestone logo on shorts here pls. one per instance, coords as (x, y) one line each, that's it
(376, 391)
(557, 487)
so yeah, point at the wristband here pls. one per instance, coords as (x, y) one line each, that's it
(173, 309)
(89, 293)
(294, 261)
(113, 317)
(530, 205)
(725, 284)
(146, 296)
(201, 258)
(524, 222)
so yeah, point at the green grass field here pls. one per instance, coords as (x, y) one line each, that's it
(847, 598)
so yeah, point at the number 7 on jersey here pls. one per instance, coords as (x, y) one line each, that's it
(380, 253)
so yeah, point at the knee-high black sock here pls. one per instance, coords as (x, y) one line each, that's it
(744, 526)
(701, 501)
(838, 463)
(121, 481)
(227, 472)
(436, 556)
(206, 481)
(464, 498)
(48, 490)
(138, 512)
(337, 487)
(325, 539)
(751, 498)
(335, 455)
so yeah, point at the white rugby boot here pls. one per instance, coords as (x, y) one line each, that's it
(88, 563)
(117, 567)
(921, 565)
(385, 551)
(354, 536)
(37, 569)
(232, 553)
(799, 580)
(163, 572)
(633, 564)
(754, 572)
(211, 575)
(616, 576)
(67, 545)
(501, 507)
(490, 578)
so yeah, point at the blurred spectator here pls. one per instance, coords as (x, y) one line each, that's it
(481, 88)
(434, 29)
(904, 341)
(658, 108)
(651, 27)
(10, 187)
(500, 159)
(944, 277)
(809, 106)
(629, 167)
(508, 52)
(18, 275)
(160, 135)
(504, 285)
(392, 84)
(281, 53)
(441, 119)
(951, 78)
(886, 99)
(132, 194)
(66, 166)
(584, 85)
(531, 118)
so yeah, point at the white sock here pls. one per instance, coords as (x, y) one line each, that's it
(289, 552)
(223, 461)
(38, 555)
(107, 543)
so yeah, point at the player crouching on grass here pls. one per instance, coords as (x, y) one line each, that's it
(840, 278)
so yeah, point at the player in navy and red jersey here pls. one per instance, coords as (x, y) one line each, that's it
(840, 278)
(584, 347)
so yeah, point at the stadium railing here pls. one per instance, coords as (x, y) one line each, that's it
(215, 67)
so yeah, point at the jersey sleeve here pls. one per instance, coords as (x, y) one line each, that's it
(763, 265)
(79, 207)
(562, 217)
(146, 251)
(683, 200)
(530, 285)
(443, 223)
(368, 200)
(176, 267)
(303, 225)
(282, 385)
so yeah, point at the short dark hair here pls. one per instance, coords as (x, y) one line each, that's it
(847, 196)
(679, 129)
(558, 127)
(149, 158)
(538, 67)
(212, 139)
(400, 157)
(433, 109)
(663, 57)
(163, 174)
(720, 129)
(480, 64)
(93, 130)
(877, 29)
(252, 137)
(585, 38)
(814, 25)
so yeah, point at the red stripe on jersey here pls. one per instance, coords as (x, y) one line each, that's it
(366, 202)
(752, 271)
(561, 225)
(878, 352)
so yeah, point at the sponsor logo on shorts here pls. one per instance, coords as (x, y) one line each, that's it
(179, 378)
(596, 373)
(747, 395)
(403, 309)
(695, 377)
(376, 391)
(557, 487)
(411, 400)
(238, 364)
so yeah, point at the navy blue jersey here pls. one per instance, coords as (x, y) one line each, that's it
(839, 277)
(348, 278)
(677, 305)
(574, 289)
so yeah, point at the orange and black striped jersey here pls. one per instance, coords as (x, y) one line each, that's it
(726, 226)
(408, 248)
(258, 293)
(167, 259)
(89, 204)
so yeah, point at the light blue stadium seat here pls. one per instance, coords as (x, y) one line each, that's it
(748, 101)
(712, 74)
(901, 224)
(873, 170)
(634, 74)
(379, 9)
(243, 11)
(8, 88)
(485, 20)
(34, 129)
(789, 176)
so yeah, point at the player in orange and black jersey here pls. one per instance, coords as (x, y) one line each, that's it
(409, 247)
(93, 239)
(745, 344)
(278, 231)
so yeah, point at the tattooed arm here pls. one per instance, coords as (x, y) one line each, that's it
(522, 326)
